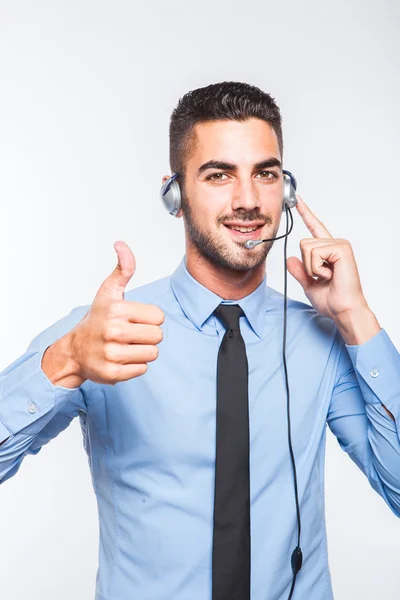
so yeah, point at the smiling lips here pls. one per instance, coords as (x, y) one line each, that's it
(247, 231)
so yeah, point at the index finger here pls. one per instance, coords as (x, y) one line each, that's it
(316, 227)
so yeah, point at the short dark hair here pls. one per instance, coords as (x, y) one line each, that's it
(219, 101)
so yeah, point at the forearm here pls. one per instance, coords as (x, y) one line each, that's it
(357, 327)
(367, 380)
(28, 402)
(384, 455)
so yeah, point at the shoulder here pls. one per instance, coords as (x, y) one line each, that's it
(158, 291)
(302, 317)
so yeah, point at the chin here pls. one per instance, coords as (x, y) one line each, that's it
(244, 260)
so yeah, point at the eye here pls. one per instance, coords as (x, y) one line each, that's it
(215, 175)
(271, 175)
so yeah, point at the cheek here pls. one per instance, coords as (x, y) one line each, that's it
(273, 196)
(209, 205)
(272, 204)
(216, 202)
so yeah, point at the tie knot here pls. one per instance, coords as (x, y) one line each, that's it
(229, 315)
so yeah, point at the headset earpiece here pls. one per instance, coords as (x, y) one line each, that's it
(171, 195)
(289, 190)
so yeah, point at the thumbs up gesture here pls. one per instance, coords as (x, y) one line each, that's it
(116, 338)
(114, 286)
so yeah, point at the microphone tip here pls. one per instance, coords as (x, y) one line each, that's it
(250, 244)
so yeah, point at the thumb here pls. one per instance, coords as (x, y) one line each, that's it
(297, 270)
(114, 286)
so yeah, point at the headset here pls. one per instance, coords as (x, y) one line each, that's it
(171, 198)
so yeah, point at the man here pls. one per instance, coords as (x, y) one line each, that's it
(139, 368)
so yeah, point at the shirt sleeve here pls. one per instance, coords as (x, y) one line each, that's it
(368, 377)
(32, 409)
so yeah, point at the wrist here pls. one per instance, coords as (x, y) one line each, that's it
(357, 326)
(59, 363)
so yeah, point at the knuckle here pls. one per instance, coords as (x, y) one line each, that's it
(111, 332)
(111, 373)
(110, 352)
(107, 333)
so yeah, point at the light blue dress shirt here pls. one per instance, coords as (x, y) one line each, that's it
(150, 441)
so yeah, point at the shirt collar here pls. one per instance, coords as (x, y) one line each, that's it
(198, 302)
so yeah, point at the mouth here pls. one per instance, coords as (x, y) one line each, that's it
(241, 232)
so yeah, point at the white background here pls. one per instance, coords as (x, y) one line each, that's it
(87, 89)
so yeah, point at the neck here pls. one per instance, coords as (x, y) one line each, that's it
(226, 283)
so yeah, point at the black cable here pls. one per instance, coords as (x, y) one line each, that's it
(297, 557)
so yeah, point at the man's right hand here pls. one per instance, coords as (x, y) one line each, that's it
(114, 341)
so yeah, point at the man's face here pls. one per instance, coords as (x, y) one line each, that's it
(233, 177)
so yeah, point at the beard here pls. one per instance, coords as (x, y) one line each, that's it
(215, 249)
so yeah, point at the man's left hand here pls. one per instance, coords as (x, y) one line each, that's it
(337, 289)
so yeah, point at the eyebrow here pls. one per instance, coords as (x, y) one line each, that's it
(217, 164)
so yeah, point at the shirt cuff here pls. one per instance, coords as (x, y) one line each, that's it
(27, 394)
(377, 363)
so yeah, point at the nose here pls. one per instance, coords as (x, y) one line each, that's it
(245, 195)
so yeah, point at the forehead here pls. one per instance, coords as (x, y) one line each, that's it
(234, 141)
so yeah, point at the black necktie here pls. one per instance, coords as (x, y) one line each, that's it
(231, 535)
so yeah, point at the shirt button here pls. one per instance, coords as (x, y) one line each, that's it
(32, 407)
(374, 373)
